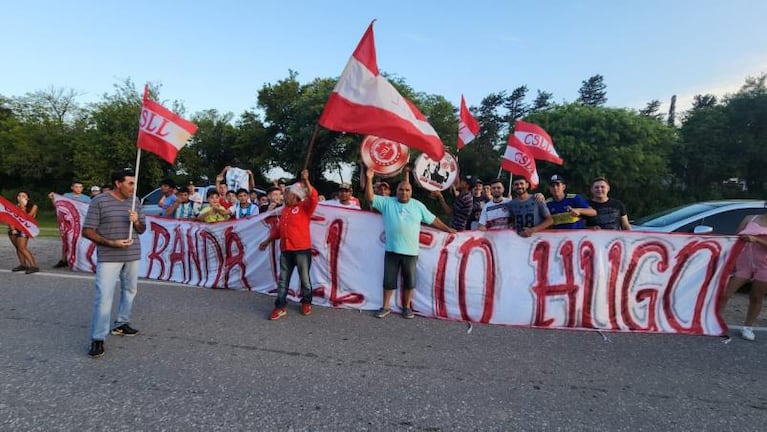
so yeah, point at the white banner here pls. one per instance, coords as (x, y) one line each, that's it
(606, 280)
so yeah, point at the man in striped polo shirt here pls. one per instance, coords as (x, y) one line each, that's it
(108, 224)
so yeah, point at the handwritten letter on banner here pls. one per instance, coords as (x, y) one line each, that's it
(607, 280)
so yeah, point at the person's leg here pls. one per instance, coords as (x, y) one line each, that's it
(287, 264)
(734, 284)
(408, 275)
(391, 271)
(26, 254)
(15, 242)
(304, 264)
(106, 278)
(128, 290)
(758, 290)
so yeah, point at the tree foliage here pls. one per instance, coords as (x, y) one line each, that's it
(49, 139)
(593, 91)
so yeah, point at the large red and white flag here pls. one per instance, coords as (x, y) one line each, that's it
(517, 160)
(12, 215)
(161, 131)
(468, 127)
(364, 102)
(536, 141)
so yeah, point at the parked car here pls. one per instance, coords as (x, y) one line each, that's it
(150, 200)
(709, 217)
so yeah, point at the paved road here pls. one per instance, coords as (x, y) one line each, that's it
(209, 360)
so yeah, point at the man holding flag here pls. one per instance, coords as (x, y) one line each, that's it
(108, 223)
(112, 218)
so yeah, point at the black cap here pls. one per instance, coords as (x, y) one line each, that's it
(556, 178)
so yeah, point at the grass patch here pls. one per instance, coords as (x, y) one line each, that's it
(46, 219)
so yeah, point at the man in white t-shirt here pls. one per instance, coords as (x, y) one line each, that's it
(496, 214)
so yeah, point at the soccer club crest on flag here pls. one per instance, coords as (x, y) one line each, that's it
(435, 175)
(385, 157)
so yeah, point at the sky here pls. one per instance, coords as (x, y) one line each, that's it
(218, 54)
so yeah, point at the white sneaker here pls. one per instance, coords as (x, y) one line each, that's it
(747, 333)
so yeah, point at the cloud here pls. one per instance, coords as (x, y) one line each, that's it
(718, 88)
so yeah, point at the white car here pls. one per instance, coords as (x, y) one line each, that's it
(708, 217)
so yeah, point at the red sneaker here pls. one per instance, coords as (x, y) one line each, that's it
(306, 309)
(278, 313)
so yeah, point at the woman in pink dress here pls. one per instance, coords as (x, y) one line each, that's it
(751, 266)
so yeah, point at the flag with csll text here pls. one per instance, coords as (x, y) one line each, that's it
(161, 131)
(537, 142)
(517, 160)
(13, 216)
(364, 102)
(468, 127)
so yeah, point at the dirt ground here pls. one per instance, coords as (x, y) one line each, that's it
(47, 251)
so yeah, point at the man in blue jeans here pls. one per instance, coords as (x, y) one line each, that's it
(108, 224)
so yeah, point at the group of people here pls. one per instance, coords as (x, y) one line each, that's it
(114, 224)
(486, 207)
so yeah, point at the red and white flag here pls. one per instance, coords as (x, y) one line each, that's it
(536, 141)
(161, 131)
(12, 215)
(468, 127)
(517, 160)
(364, 102)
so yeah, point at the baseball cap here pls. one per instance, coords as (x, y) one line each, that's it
(556, 178)
(95, 188)
(345, 186)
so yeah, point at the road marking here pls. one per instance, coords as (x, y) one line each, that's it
(740, 327)
(91, 276)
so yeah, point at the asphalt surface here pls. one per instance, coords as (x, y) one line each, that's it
(209, 360)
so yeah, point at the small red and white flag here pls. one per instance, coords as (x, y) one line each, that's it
(468, 127)
(364, 102)
(536, 141)
(161, 131)
(517, 160)
(12, 215)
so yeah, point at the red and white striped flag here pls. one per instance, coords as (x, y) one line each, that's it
(536, 141)
(12, 215)
(161, 131)
(364, 102)
(468, 127)
(517, 160)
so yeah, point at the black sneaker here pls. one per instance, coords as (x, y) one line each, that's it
(61, 264)
(124, 330)
(18, 268)
(31, 270)
(97, 349)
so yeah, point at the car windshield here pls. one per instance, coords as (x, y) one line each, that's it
(667, 217)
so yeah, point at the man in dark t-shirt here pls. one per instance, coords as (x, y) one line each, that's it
(611, 213)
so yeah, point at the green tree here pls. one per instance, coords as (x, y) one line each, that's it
(651, 110)
(542, 102)
(593, 91)
(629, 149)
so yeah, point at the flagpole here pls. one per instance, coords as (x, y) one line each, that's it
(311, 144)
(135, 188)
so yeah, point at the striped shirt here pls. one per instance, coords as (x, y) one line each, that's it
(497, 215)
(109, 217)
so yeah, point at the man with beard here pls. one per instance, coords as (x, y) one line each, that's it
(496, 214)
(530, 214)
